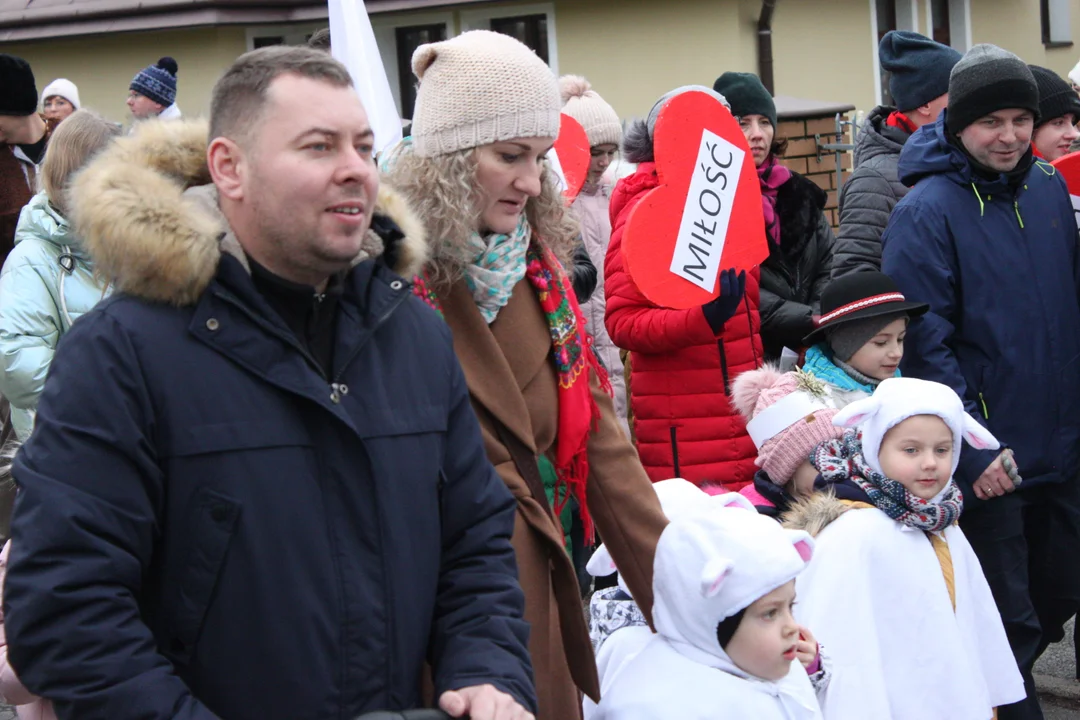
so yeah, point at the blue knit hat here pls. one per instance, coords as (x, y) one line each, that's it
(918, 67)
(158, 82)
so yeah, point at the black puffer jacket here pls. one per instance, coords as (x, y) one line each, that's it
(870, 194)
(796, 271)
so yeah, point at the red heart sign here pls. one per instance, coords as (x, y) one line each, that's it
(572, 156)
(706, 213)
(1069, 167)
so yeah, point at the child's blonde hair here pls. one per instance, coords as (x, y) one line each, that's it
(77, 139)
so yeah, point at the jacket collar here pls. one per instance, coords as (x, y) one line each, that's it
(498, 361)
(149, 217)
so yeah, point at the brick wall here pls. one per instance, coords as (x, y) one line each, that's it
(801, 154)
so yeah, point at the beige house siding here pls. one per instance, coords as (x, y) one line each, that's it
(103, 66)
(824, 51)
(1016, 25)
(631, 50)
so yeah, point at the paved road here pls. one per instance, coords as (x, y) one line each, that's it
(1055, 710)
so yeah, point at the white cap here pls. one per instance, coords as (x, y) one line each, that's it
(896, 400)
(1074, 74)
(65, 89)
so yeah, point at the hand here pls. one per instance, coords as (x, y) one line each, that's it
(482, 702)
(720, 310)
(806, 649)
(1001, 478)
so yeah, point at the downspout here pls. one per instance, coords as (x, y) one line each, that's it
(764, 35)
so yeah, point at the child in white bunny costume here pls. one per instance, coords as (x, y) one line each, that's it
(723, 580)
(895, 590)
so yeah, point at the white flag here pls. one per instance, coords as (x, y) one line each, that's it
(353, 43)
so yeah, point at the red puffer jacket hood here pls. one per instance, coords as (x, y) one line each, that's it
(682, 372)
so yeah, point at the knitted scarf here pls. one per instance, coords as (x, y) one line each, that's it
(494, 264)
(818, 364)
(574, 358)
(839, 460)
(900, 121)
(771, 175)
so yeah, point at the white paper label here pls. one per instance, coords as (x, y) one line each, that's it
(1076, 208)
(707, 211)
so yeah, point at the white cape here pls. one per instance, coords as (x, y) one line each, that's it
(874, 595)
(618, 650)
(660, 683)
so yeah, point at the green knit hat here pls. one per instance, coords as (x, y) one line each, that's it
(746, 94)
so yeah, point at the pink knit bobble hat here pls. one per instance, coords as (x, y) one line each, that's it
(787, 416)
(479, 88)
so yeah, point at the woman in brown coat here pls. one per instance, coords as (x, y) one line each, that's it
(487, 113)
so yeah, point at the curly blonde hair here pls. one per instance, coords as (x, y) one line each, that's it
(444, 192)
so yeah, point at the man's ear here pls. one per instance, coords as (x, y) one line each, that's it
(227, 166)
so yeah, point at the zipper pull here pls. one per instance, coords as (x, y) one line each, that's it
(1016, 207)
(982, 401)
(338, 391)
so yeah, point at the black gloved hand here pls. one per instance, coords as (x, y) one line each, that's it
(719, 311)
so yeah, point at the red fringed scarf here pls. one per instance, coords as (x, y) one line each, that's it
(574, 358)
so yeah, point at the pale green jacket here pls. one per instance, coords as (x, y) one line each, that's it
(47, 282)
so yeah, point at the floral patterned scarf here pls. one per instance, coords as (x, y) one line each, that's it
(574, 360)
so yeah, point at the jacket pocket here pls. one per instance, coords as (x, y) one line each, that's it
(1020, 409)
(212, 524)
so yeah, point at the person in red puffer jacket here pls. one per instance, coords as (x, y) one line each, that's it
(683, 361)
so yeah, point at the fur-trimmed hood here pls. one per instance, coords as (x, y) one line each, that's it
(148, 216)
(813, 514)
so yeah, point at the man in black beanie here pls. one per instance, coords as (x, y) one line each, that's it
(918, 71)
(987, 237)
(24, 134)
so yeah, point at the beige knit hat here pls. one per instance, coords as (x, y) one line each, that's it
(582, 103)
(478, 88)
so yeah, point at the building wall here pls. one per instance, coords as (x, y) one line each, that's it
(635, 50)
(102, 66)
(1016, 25)
(631, 50)
(824, 51)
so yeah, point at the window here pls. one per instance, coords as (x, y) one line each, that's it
(533, 24)
(259, 37)
(529, 29)
(885, 13)
(407, 40)
(1056, 28)
(886, 17)
(267, 41)
(939, 21)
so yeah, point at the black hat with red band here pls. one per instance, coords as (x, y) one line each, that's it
(859, 296)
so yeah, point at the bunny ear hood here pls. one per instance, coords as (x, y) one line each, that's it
(898, 399)
(677, 497)
(712, 564)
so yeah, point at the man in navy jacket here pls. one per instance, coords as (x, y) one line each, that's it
(256, 487)
(987, 237)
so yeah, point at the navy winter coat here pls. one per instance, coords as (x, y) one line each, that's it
(998, 264)
(207, 526)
